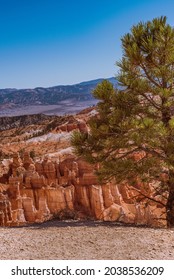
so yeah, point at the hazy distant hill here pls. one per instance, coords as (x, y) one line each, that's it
(57, 100)
(50, 95)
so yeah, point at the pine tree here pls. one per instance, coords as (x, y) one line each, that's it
(139, 118)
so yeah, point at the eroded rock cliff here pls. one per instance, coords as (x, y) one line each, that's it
(32, 192)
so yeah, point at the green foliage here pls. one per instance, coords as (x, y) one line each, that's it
(65, 214)
(32, 154)
(51, 125)
(137, 120)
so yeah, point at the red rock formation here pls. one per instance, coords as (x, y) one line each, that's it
(70, 126)
(27, 160)
(36, 192)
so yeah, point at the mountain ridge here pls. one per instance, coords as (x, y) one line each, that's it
(98, 80)
(67, 98)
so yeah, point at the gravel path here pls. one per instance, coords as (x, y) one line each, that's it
(85, 240)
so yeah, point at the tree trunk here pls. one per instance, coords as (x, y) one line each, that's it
(170, 201)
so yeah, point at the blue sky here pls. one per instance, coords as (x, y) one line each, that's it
(53, 42)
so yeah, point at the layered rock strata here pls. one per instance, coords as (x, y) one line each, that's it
(34, 192)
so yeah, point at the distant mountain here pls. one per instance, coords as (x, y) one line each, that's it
(50, 96)
(57, 100)
(97, 81)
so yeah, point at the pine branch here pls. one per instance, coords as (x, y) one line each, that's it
(151, 101)
(145, 196)
(149, 77)
(152, 152)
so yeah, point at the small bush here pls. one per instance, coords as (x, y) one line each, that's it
(65, 214)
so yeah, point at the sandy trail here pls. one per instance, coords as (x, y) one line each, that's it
(85, 240)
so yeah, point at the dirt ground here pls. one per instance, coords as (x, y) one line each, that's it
(85, 240)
